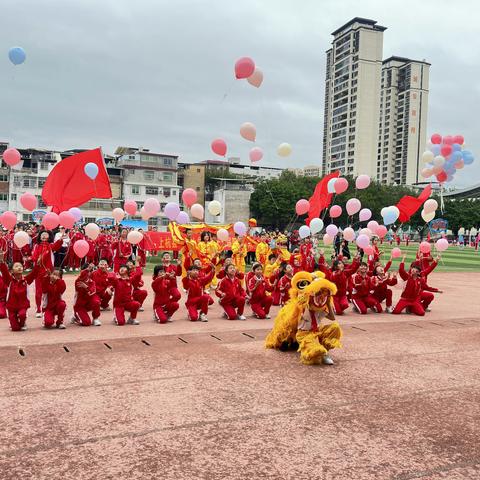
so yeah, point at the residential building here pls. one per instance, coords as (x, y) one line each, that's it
(312, 171)
(192, 175)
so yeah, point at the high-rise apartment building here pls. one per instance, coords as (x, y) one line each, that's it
(375, 111)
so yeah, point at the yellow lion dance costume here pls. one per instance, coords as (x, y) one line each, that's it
(298, 322)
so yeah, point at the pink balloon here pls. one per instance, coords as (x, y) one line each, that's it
(189, 197)
(11, 156)
(373, 226)
(66, 219)
(183, 218)
(134, 237)
(459, 165)
(50, 220)
(332, 230)
(362, 181)
(240, 228)
(256, 78)
(381, 231)
(365, 214)
(92, 230)
(81, 248)
(244, 67)
(458, 139)
(327, 239)
(341, 185)
(363, 241)
(8, 220)
(396, 252)
(446, 150)
(248, 131)
(441, 244)
(118, 214)
(335, 211)
(256, 154)
(76, 212)
(302, 207)
(151, 206)
(436, 139)
(349, 234)
(197, 211)
(353, 206)
(219, 147)
(20, 239)
(223, 235)
(130, 206)
(369, 250)
(28, 201)
(366, 231)
(425, 247)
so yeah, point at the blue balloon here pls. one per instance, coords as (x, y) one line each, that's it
(456, 156)
(436, 149)
(468, 159)
(17, 55)
(389, 217)
(91, 170)
(456, 147)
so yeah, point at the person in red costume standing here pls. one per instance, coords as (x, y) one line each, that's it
(363, 284)
(141, 251)
(104, 245)
(122, 251)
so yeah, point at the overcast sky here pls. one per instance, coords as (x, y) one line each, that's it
(159, 74)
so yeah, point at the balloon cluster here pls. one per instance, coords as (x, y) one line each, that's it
(444, 156)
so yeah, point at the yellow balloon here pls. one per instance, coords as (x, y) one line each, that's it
(427, 217)
(284, 149)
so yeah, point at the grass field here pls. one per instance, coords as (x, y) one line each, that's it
(453, 259)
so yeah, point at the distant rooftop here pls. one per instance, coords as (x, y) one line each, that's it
(404, 60)
(132, 150)
(363, 21)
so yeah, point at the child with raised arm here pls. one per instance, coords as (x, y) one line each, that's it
(53, 287)
(86, 300)
(362, 288)
(231, 294)
(197, 299)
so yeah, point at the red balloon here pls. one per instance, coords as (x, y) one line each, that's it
(436, 138)
(446, 150)
(458, 139)
(448, 140)
(28, 201)
(66, 219)
(302, 207)
(219, 147)
(244, 67)
(442, 176)
(341, 185)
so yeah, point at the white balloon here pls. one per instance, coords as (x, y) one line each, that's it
(439, 161)
(214, 208)
(316, 225)
(428, 156)
(284, 149)
(304, 231)
(428, 216)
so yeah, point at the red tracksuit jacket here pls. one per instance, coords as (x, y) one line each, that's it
(122, 250)
(52, 292)
(123, 291)
(284, 285)
(341, 279)
(102, 280)
(136, 278)
(261, 290)
(17, 289)
(161, 287)
(82, 295)
(413, 286)
(45, 250)
(231, 288)
(195, 287)
(362, 286)
(176, 270)
(381, 287)
(222, 274)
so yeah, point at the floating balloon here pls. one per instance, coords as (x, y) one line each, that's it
(240, 228)
(28, 201)
(430, 205)
(81, 248)
(284, 149)
(366, 231)
(327, 239)
(362, 181)
(21, 238)
(214, 208)
(426, 173)
(441, 244)
(244, 68)
(302, 207)
(130, 206)
(197, 211)
(304, 231)
(256, 154)
(91, 170)
(369, 250)
(118, 214)
(381, 231)
(223, 235)
(8, 220)
(372, 225)
(335, 211)
(183, 218)
(458, 139)
(92, 230)
(341, 185)
(152, 207)
(448, 140)
(390, 215)
(256, 78)
(144, 214)
(219, 147)
(11, 156)
(134, 237)
(439, 161)
(50, 220)
(171, 210)
(332, 230)
(316, 225)
(248, 131)
(189, 196)
(77, 214)
(331, 185)
(446, 150)
(349, 234)
(436, 139)
(396, 252)
(425, 247)
(353, 206)
(362, 241)
(66, 219)
(428, 216)
(17, 55)
(428, 156)
(365, 214)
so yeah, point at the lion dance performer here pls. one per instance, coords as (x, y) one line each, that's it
(299, 321)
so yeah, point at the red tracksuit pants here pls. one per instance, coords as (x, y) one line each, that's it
(130, 307)
(340, 304)
(3, 309)
(105, 298)
(38, 294)
(58, 311)
(387, 296)
(140, 296)
(175, 294)
(261, 306)
(164, 312)
(233, 307)
(364, 303)
(17, 318)
(196, 304)
(81, 312)
(417, 306)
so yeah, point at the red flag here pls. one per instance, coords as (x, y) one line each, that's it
(408, 205)
(320, 199)
(68, 186)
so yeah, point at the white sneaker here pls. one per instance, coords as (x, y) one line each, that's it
(61, 326)
(428, 309)
(97, 322)
(106, 309)
(169, 319)
(141, 309)
(268, 316)
(133, 321)
(23, 328)
(242, 317)
(389, 309)
(203, 318)
(71, 270)
(327, 359)
(38, 315)
(74, 319)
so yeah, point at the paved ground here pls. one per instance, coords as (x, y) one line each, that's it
(206, 401)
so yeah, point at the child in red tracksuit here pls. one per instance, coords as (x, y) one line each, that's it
(362, 286)
(86, 300)
(53, 287)
(284, 284)
(296, 261)
(197, 299)
(17, 298)
(274, 279)
(139, 294)
(258, 287)
(165, 303)
(172, 271)
(3, 298)
(103, 279)
(426, 296)
(340, 275)
(123, 298)
(231, 294)
(381, 291)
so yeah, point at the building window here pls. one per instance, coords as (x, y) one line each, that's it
(43, 166)
(3, 197)
(148, 175)
(164, 221)
(197, 189)
(3, 177)
(166, 192)
(13, 196)
(29, 182)
(198, 170)
(131, 157)
(26, 217)
(41, 182)
(131, 172)
(168, 162)
(89, 220)
(151, 190)
(135, 189)
(167, 177)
